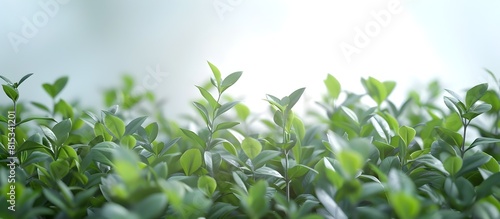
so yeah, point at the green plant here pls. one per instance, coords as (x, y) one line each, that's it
(352, 160)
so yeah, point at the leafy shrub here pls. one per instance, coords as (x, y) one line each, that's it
(354, 161)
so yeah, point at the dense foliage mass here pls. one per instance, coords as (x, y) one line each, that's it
(351, 160)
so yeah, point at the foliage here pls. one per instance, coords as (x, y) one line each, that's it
(353, 160)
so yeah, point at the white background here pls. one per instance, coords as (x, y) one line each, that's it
(280, 46)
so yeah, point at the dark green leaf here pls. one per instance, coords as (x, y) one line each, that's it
(472, 162)
(134, 125)
(485, 189)
(24, 78)
(62, 130)
(193, 136)
(474, 94)
(450, 137)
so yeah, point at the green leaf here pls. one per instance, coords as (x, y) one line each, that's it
(24, 78)
(263, 157)
(55, 198)
(298, 171)
(267, 171)
(64, 109)
(207, 185)
(486, 188)
(333, 86)
(454, 105)
(191, 161)
(35, 118)
(100, 130)
(242, 111)
(351, 114)
(194, 136)
(375, 89)
(256, 203)
(113, 210)
(11, 92)
(61, 130)
(475, 93)
(382, 127)
(230, 148)
(400, 182)
(203, 111)
(450, 137)
(351, 162)
(225, 107)
(431, 162)
(151, 131)
(230, 80)
(251, 147)
(208, 97)
(483, 141)
(216, 73)
(389, 86)
(115, 125)
(150, 207)
(472, 162)
(405, 205)
(407, 134)
(54, 89)
(40, 106)
(128, 141)
(59, 85)
(59, 169)
(226, 125)
(330, 205)
(134, 125)
(294, 97)
(6, 80)
(453, 164)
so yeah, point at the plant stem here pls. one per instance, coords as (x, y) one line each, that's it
(465, 123)
(287, 181)
(285, 143)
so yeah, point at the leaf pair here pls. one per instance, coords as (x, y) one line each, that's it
(468, 110)
(10, 88)
(378, 91)
(223, 84)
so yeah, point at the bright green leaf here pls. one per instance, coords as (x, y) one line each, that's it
(191, 161)
(251, 147)
(333, 86)
(115, 125)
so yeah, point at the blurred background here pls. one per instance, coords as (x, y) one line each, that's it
(280, 45)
